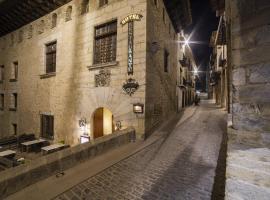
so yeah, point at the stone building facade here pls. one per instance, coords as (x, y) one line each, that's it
(84, 80)
(218, 65)
(248, 36)
(186, 74)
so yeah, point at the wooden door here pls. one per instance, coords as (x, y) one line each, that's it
(98, 123)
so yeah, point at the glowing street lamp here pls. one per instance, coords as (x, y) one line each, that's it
(196, 72)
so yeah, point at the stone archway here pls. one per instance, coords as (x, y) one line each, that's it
(102, 122)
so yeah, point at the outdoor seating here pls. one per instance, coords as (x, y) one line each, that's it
(25, 138)
(7, 163)
(7, 154)
(8, 141)
(33, 145)
(53, 148)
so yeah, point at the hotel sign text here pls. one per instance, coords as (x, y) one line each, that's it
(130, 21)
(131, 18)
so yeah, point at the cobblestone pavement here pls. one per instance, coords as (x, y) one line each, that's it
(180, 165)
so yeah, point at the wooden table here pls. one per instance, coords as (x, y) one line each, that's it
(8, 154)
(27, 145)
(53, 148)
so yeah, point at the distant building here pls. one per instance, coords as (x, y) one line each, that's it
(186, 76)
(72, 68)
(218, 65)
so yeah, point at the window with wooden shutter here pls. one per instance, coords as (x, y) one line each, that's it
(54, 20)
(47, 126)
(105, 43)
(2, 101)
(2, 73)
(51, 57)
(166, 61)
(14, 72)
(14, 129)
(13, 102)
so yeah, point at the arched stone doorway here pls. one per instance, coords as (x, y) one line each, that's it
(102, 122)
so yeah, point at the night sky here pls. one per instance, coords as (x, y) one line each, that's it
(204, 21)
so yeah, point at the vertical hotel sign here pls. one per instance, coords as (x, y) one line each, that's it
(130, 21)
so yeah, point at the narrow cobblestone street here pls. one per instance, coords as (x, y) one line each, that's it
(180, 165)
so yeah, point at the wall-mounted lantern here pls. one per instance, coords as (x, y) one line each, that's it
(138, 108)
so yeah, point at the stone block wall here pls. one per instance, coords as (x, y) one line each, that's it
(71, 94)
(15, 179)
(249, 138)
(161, 100)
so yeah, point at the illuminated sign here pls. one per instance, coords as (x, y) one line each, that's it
(130, 21)
(131, 18)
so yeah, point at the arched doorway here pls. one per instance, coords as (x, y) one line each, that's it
(102, 122)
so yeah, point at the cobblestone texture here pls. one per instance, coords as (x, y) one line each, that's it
(180, 165)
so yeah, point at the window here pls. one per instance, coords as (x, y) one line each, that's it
(41, 27)
(54, 20)
(68, 13)
(2, 73)
(2, 101)
(105, 43)
(30, 32)
(20, 37)
(14, 129)
(13, 102)
(12, 39)
(85, 6)
(51, 57)
(103, 2)
(47, 126)
(166, 60)
(14, 72)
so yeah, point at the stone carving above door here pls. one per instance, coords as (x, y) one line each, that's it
(103, 79)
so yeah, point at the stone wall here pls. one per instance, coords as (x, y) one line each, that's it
(248, 161)
(17, 178)
(71, 94)
(161, 99)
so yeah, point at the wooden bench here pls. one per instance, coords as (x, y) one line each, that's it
(6, 163)
(8, 141)
(33, 145)
(53, 148)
